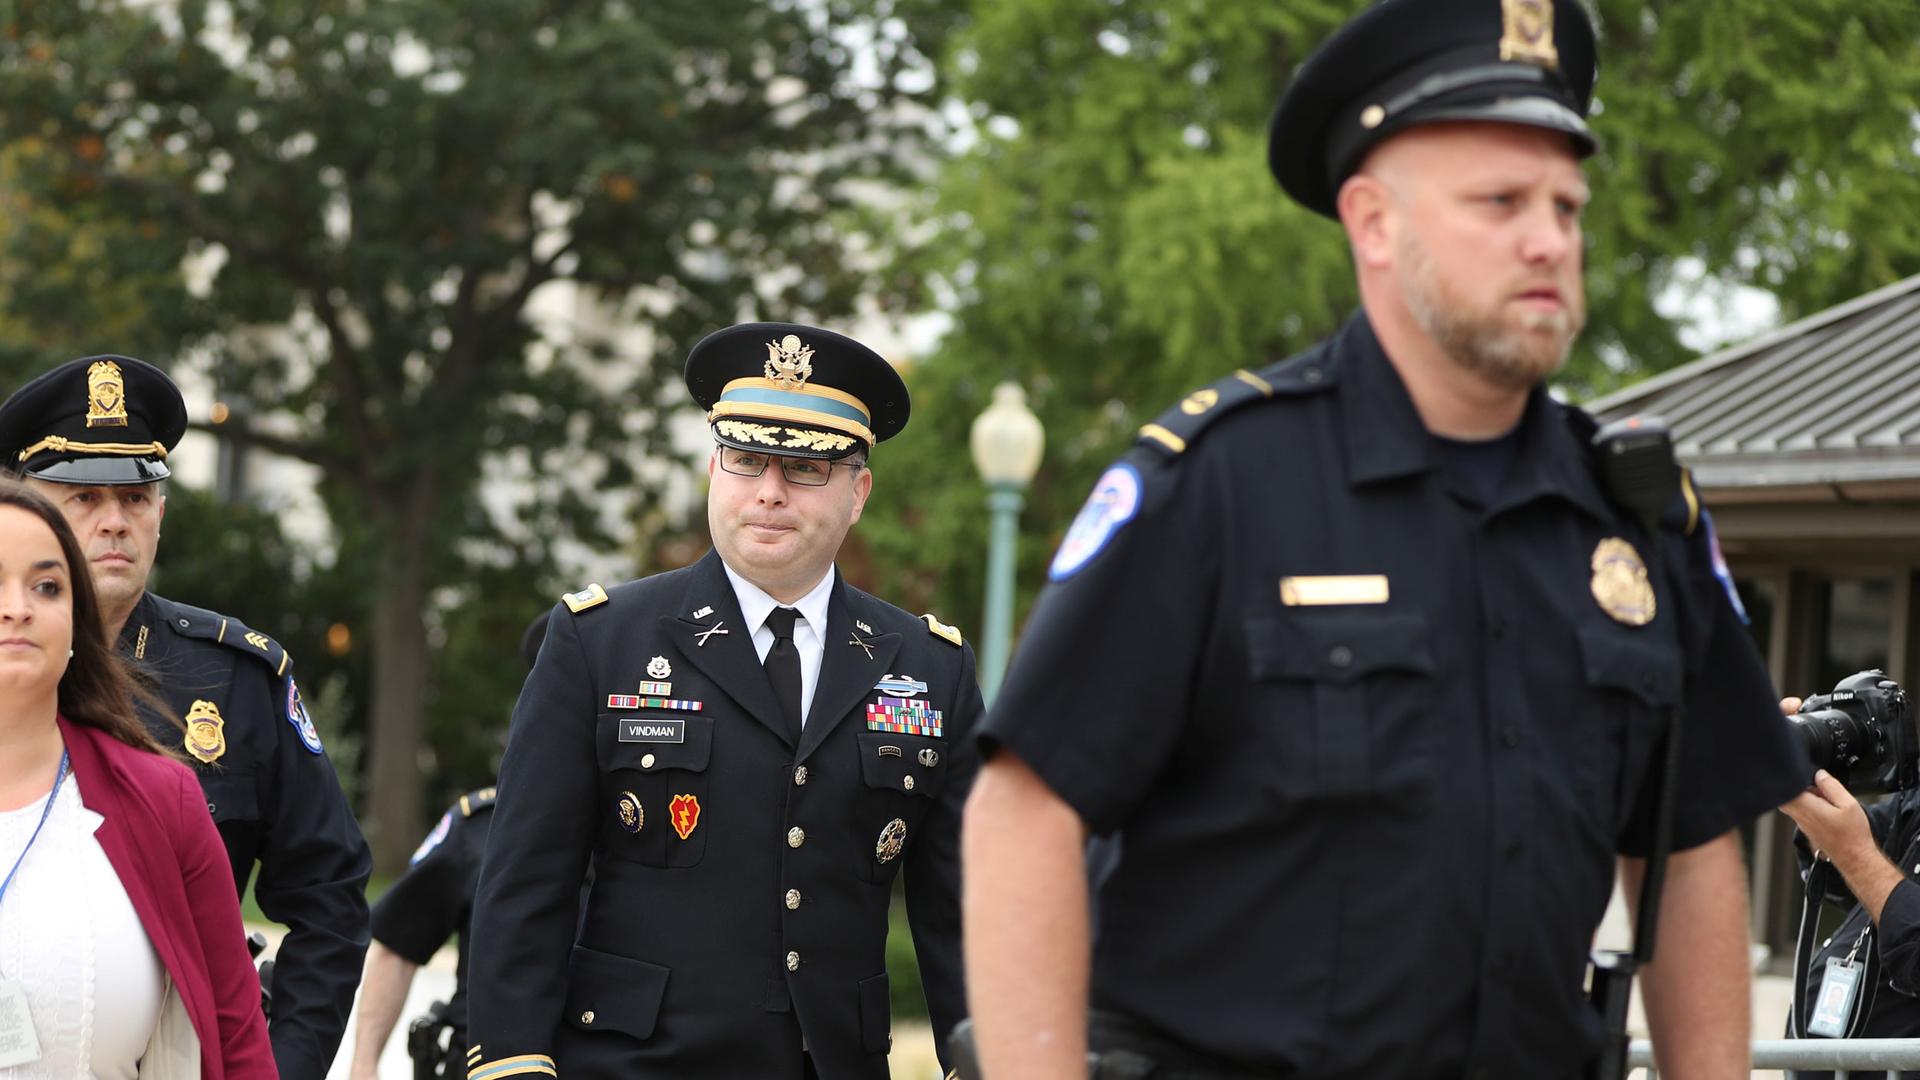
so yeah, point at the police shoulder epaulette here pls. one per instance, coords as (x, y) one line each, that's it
(942, 630)
(477, 800)
(591, 596)
(207, 625)
(1178, 427)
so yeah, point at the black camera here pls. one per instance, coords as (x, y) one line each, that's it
(1862, 733)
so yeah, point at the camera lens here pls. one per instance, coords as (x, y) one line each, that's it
(1848, 746)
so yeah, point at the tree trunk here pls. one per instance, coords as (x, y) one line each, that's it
(397, 719)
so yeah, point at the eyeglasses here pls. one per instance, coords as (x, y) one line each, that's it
(807, 472)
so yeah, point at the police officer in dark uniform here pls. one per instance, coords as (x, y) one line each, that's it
(1351, 669)
(431, 902)
(747, 752)
(93, 435)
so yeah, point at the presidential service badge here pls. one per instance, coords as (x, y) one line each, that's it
(1115, 499)
(633, 816)
(206, 736)
(1620, 582)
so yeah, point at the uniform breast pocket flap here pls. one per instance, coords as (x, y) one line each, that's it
(1340, 683)
(910, 764)
(612, 993)
(653, 742)
(230, 797)
(1338, 646)
(1619, 658)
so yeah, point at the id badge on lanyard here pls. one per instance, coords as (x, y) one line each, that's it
(1839, 993)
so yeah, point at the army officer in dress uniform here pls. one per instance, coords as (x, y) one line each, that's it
(93, 435)
(746, 752)
(1358, 798)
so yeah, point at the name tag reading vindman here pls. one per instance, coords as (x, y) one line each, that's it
(1333, 589)
(653, 731)
(18, 1044)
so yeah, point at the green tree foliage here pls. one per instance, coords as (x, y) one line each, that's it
(1112, 238)
(341, 210)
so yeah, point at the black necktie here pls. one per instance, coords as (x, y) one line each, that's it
(783, 668)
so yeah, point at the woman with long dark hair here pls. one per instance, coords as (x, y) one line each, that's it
(121, 947)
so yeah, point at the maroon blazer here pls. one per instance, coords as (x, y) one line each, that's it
(162, 843)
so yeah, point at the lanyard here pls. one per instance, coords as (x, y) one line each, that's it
(44, 811)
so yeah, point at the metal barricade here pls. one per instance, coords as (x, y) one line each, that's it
(1891, 1055)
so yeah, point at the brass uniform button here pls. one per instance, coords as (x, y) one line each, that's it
(587, 1017)
(907, 782)
(796, 836)
(793, 899)
(799, 775)
(793, 961)
(647, 762)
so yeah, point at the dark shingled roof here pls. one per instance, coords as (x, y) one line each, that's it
(1832, 399)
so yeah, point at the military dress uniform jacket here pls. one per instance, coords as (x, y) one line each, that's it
(739, 905)
(276, 801)
(1359, 746)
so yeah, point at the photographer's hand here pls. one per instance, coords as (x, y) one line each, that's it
(1837, 827)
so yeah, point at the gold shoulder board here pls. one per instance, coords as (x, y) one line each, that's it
(591, 596)
(942, 630)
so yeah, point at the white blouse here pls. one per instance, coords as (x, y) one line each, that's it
(70, 938)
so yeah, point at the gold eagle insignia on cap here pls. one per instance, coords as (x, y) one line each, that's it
(1620, 582)
(1528, 34)
(206, 736)
(789, 363)
(106, 395)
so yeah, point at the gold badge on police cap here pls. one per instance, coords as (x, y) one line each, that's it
(206, 732)
(1620, 582)
(106, 395)
(1528, 33)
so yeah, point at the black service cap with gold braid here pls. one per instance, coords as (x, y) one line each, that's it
(1407, 62)
(96, 420)
(797, 391)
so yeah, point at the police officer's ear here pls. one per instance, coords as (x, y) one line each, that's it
(1366, 204)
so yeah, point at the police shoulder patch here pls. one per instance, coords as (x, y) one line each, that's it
(942, 630)
(591, 596)
(1114, 502)
(433, 839)
(302, 722)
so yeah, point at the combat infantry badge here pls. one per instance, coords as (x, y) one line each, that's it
(1620, 582)
(206, 732)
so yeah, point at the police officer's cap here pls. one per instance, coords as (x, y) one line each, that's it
(95, 420)
(1407, 62)
(798, 391)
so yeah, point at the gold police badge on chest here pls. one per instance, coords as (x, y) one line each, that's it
(206, 732)
(1620, 582)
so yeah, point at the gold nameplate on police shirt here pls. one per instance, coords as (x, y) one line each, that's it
(1329, 589)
